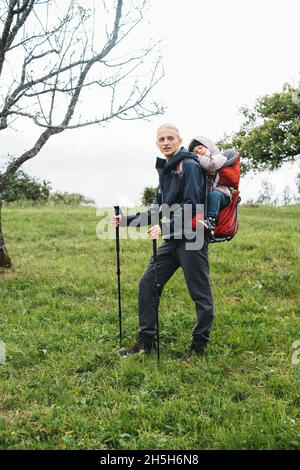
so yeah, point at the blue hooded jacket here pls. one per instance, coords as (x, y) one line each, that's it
(188, 188)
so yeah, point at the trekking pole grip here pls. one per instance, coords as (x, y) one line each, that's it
(117, 212)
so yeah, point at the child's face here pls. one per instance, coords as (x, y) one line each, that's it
(200, 150)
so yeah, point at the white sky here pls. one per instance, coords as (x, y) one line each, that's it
(218, 56)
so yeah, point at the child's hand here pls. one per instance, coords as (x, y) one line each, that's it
(200, 150)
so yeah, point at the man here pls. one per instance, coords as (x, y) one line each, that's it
(183, 188)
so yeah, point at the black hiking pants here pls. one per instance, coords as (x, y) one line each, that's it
(170, 256)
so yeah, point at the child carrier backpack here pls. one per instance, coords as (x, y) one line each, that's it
(227, 221)
(229, 175)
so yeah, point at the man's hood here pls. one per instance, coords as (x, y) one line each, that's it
(167, 165)
(207, 142)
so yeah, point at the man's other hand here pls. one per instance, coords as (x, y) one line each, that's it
(154, 232)
(116, 220)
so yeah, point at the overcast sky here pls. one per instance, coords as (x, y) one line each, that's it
(218, 56)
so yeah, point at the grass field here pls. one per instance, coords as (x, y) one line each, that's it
(64, 385)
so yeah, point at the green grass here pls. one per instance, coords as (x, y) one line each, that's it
(64, 385)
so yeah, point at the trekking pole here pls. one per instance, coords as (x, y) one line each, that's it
(156, 285)
(154, 219)
(117, 212)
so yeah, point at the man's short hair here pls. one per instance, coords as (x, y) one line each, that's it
(168, 125)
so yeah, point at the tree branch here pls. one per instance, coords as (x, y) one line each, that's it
(66, 56)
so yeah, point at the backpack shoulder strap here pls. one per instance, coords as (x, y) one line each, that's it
(179, 168)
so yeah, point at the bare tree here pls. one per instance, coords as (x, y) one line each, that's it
(266, 194)
(58, 58)
(287, 197)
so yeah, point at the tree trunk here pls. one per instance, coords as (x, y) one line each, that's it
(5, 261)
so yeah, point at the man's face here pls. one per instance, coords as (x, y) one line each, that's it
(168, 141)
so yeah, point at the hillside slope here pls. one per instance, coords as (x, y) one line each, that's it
(64, 385)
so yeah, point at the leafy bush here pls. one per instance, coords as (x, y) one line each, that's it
(148, 196)
(24, 187)
(70, 199)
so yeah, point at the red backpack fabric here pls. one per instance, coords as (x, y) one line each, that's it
(227, 221)
(230, 175)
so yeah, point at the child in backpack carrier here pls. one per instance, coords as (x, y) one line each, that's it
(212, 160)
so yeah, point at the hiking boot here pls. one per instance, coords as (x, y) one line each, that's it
(144, 343)
(197, 347)
(209, 224)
